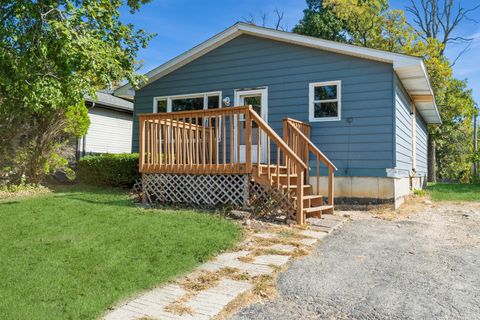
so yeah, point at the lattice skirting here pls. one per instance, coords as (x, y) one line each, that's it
(196, 189)
(266, 200)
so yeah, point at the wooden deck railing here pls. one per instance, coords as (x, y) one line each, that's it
(297, 137)
(232, 140)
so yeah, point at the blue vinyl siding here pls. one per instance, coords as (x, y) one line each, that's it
(360, 144)
(403, 129)
(421, 145)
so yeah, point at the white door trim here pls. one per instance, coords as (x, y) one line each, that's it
(264, 114)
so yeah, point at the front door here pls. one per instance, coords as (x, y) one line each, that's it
(257, 98)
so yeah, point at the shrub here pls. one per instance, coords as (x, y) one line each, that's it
(118, 170)
(420, 192)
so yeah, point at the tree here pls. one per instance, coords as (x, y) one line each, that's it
(439, 20)
(263, 16)
(320, 21)
(52, 55)
(455, 152)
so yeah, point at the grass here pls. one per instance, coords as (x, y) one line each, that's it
(73, 253)
(454, 192)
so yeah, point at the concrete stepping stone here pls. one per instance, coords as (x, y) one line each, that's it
(250, 268)
(271, 259)
(150, 304)
(321, 229)
(333, 217)
(314, 234)
(326, 224)
(231, 256)
(210, 302)
(283, 247)
(306, 241)
(265, 235)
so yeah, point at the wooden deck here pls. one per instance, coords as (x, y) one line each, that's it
(237, 141)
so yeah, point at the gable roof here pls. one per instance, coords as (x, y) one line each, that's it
(110, 101)
(410, 70)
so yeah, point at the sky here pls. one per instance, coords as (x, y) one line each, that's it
(183, 24)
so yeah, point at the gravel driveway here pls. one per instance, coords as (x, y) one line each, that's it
(426, 266)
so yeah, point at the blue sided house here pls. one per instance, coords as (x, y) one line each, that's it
(362, 113)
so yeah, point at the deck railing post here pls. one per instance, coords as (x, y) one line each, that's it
(299, 195)
(141, 148)
(331, 187)
(248, 142)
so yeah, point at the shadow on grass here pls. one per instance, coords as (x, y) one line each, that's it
(8, 203)
(105, 195)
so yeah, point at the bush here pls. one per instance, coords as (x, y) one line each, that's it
(118, 170)
(420, 192)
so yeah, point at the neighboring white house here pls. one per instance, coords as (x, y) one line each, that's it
(110, 128)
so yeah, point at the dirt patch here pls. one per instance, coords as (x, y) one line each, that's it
(412, 205)
(23, 192)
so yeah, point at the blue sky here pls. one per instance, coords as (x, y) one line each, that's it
(182, 24)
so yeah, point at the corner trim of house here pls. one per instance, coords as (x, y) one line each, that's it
(397, 173)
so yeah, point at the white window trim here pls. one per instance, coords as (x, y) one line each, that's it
(311, 101)
(205, 96)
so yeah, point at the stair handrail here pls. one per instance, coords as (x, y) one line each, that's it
(313, 148)
(266, 127)
(320, 156)
(300, 167)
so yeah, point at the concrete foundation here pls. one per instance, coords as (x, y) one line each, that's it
(371, 190)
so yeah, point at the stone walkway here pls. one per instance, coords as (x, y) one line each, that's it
(207, 291)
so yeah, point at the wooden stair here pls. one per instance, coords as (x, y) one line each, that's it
(313, 204)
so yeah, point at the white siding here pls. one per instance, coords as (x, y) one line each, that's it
(110, 131)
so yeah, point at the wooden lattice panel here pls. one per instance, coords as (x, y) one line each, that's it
(196, 189)
(266, 200)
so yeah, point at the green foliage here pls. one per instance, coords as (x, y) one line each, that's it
(77, 120)
(454, 137)
(419, 192)
(75, 252)
(52, 55)
(118, 170)
(319, 21)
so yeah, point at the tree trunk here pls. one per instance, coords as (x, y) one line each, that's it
(432, 173)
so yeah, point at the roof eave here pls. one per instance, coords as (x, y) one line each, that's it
(414, 78)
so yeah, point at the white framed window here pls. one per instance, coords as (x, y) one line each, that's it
(325, 101)
(190, 102)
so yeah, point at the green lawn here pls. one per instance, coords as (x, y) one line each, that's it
(74, 253)
(454, 192)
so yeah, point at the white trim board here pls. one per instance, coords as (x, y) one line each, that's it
(411, 70)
